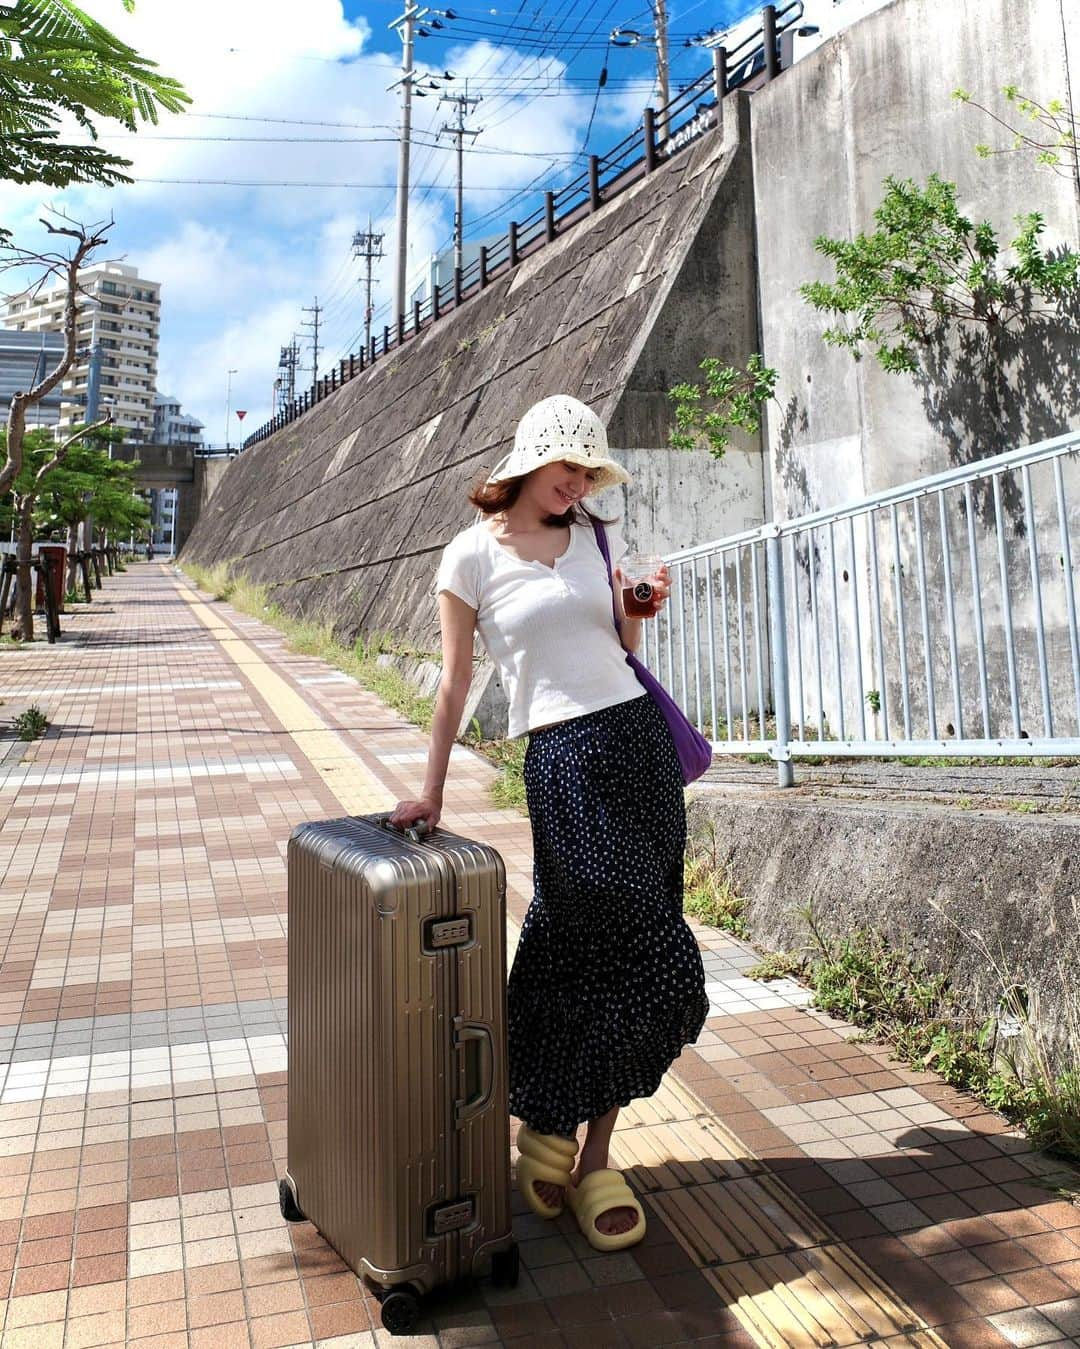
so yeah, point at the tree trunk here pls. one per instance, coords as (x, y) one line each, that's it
(72, 565)
(24, 575)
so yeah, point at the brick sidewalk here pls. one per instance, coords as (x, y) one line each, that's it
(801, 1189)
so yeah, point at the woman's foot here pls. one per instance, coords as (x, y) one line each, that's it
(612, 1222)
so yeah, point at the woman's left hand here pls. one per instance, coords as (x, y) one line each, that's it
(661, 582)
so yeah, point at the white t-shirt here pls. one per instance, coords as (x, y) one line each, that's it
(549, 630)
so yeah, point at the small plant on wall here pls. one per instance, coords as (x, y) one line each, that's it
(729, 398)
(1048, 130)
(927, 268)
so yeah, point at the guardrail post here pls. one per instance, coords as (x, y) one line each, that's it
(457, 285)
(768, 40)
(400, 329)
(512, 241)
(483, 266)
(720, 74)
(434, 303)
(416, 316)
(352, 365)
(594, 183)
(549, 216)
(386, 338)
(774, 582)
(649, 128)
(374, 348)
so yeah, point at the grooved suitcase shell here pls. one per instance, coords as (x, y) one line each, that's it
(374, 1142)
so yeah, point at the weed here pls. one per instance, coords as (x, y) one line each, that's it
(777, 965)
(896, 1000)
(873, 701)
(31, 724)
(709, 893)
(74, 597)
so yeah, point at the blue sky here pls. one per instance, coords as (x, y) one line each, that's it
(298, 93)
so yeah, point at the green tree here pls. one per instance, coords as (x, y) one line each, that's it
(56, 61)
(730, 398)
(927, 267)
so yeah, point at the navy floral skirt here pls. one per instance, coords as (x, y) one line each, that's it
(607, 985)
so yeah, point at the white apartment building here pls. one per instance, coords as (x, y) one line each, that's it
(120, 311)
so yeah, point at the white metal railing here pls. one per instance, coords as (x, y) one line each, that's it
(934, 618)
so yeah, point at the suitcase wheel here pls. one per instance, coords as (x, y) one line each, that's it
(399, 1310)
(505, 1267)
(290, 1209)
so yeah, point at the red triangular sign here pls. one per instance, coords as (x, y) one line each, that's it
(240, 414)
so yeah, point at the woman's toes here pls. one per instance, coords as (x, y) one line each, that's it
(552, 1195)
(616, 1221)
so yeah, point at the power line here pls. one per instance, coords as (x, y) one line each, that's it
(356, 187)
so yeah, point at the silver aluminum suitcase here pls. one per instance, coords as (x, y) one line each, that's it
(398, 1134)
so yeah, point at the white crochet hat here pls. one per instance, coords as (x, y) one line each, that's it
(561, 428)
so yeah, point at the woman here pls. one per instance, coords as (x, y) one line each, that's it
(607, 985)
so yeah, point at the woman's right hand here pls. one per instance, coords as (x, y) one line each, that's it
(407, 813)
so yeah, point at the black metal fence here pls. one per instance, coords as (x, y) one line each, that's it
(663, 132)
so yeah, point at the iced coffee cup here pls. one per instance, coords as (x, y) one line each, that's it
(640, 573)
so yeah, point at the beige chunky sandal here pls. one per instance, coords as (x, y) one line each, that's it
(544, 1158)
(600, 1192)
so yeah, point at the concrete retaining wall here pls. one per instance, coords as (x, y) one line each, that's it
(964, 890)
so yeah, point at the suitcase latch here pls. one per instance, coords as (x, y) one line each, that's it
(451, 1217)
(449, 932)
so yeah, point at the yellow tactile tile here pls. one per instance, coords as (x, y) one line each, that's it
(358, 790)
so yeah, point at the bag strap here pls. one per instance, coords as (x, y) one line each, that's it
(605, 553)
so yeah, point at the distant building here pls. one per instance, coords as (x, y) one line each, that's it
(120, 312)
(173, 427)
(440, 266)
(25, 359)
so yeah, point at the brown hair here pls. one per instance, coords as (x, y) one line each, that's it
(493, 497)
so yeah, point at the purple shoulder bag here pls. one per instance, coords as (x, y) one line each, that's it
(695, 752)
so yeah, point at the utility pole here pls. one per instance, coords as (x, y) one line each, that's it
(228, 404)
(459, 131)
(406, 25)
(369, 247)
(663, 69)
(290, 359)
(313, 324)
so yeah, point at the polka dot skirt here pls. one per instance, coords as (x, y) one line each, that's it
(607, 985)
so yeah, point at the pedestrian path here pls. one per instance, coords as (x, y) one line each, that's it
(802, 1190)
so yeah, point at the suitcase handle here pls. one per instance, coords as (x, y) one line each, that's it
(414, 832)
(476, 1039)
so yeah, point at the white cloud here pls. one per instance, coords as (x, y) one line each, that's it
(237, 265)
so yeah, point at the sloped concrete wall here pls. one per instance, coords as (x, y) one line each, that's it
(343, 513)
